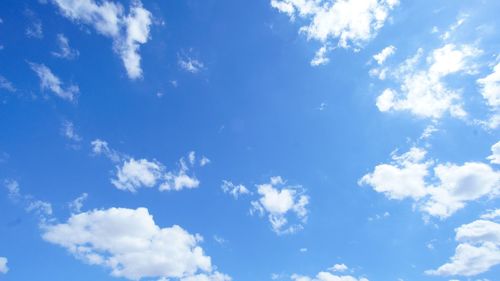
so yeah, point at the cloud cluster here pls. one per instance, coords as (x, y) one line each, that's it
(133, 174)
(478, 249)
(440, 194)
(280, 202)
(127, 30)
(339, 23)
(422, 88)
(49, 81)
(132, 246)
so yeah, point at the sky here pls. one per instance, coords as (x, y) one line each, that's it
(301, 140)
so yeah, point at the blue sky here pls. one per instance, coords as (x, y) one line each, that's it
(345, 140)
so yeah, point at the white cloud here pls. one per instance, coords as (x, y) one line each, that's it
(339, 267)
(320, 57)
(128, 31)
(233, 189)
(3, 265)
(423, 91)
(459, 184)
(68, 131)
(101, 147)
(492, 215)
(50, 81)
(31, 205)
(204, 161)
(132, 174)
(77, 204)
(344, 23)
(447, 191)
(478, 251)
(384, 54)
(279, 201)
(326, 276)
(495, 153)
(132, 246)
(189, 64)
(65, 51)
(403, 178)
(490, 90)
(6, 84)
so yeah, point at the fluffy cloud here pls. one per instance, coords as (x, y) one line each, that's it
(403, 178)
(49, 81)
(132, 246)
(495, 155)
(132, 174)
(327, 276)
(346, 22)
(65, 51)
(233, 189)
(448, 190)
(478, 251)
(3, 265)
(423, 91)
(339, 267)
(279, 202)
(458, 184)
(384, 54)
(128, 31)
(490, 89)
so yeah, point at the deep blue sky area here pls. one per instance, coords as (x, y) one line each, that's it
(379, 161)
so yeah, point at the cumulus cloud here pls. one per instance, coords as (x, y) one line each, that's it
(233, 189)
(422, 88)
(441, 194)
(127, 30)
(130, 244)
(133, 174)
(478, 250)
(49, 81)
(384, 54)
(3, 265)
(65, 51)
(280, 202)
(327, 276)
(342, 23)
(403, 178)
